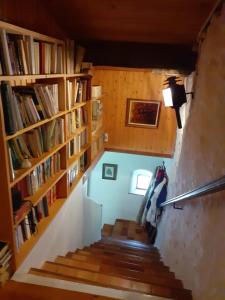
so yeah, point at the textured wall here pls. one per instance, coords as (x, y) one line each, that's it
(120, 84)
(192, 241)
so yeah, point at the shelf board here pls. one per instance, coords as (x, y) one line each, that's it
(77, 105)
(75, 157)
(43, 190)
(35, 162)
(38, 124)
(39, 76)
(19, 30)
(42, 225)
(77, 75)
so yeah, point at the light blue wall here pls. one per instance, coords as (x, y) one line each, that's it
(113, 194)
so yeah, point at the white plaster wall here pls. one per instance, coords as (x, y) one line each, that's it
(192, 241)
(65, 233)
(92, 221)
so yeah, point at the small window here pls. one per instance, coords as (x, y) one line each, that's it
(140, 181)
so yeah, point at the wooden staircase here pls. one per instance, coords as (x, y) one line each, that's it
(122, 260)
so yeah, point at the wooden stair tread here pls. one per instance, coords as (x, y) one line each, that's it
(119, 272)
(117, 228)
(123, 259)
(121, 264)
(152, 253)
(127, 243)
(150, 256)
(136, 263)
(107, 230)
(66, 273)
(18, 290)
(118, 255)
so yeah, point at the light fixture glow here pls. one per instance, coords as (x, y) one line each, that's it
(167, 96)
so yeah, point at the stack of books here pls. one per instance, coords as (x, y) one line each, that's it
(5, 257)
(35, 143)
(26, 105)
(30, 184)
(28, 226)
(78, 91)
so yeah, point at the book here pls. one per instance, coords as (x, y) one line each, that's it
(6, 98)
(22, 211)
(5, 259)
(5, 52)
(3, 248)
(79, 56)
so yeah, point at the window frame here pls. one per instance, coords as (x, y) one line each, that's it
(134, 181)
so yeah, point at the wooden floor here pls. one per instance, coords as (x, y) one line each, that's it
(122, 260)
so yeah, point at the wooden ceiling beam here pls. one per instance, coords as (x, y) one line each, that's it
(136, 55)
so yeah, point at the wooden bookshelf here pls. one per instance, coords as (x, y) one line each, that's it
(97, 129)
(80, 107)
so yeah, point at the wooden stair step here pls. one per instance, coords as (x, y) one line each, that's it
(123, 256)
(110, 280)
(78, 264)
(107, 230)
(19, 290)
(127, 243)
(131, 231)
(152, 253)
(66, 273)
(117, 228)
(136, 254)
(120, 272)
(121, 264)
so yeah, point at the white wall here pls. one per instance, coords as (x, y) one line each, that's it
(113, 194)
(92, 221)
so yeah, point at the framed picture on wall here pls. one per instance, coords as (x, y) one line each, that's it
(142, 113)
(109, 171)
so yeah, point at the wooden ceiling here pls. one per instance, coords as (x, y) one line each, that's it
(142, 21)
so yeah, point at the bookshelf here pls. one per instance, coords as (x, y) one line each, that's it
(47, 140)
(97, 138)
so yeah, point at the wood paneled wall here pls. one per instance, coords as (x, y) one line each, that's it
(120, 84)
(30, 14)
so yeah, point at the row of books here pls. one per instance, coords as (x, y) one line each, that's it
(26, 105)
(75, 145)
(5, 258)
(97, 145)
(70, 56)
(22, 207)
(22, 55)
(77, 167)
(78, 90)
(28, 226)
(76, 119)
(30, 184)
(34, 144)
(74, 57)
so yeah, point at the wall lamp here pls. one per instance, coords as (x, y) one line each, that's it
(174, 96)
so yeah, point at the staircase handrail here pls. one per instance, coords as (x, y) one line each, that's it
(205, 189)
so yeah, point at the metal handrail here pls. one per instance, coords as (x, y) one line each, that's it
(209, 188)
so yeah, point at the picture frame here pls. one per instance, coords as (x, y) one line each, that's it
(109, 171)
(142, 113)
